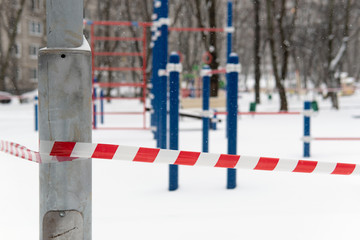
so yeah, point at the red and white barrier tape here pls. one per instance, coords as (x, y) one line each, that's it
(19, 151)
(69, 151)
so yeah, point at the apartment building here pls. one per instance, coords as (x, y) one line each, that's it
(30, 38)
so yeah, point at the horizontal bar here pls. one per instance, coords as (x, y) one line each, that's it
(218, 71)
(261, 113)
(149, 24)
(122, 98)
(118, 69)
(120, 113)
(117, 84)
(117, 54)
(189, 29)
(120, 23)
(103, 38)
(121, 128)
(336, 138)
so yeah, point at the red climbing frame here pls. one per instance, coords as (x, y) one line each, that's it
(144, 26)
(142, 54)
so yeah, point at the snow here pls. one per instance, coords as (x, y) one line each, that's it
(131, 201)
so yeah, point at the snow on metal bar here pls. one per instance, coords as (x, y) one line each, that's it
(174, 67)
(70, 151)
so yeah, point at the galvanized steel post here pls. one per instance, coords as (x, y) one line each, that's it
(174, 69)
(65, 115)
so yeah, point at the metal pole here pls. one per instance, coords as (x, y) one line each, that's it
(229, 46)
(36, 106)
(102, 106)
(94, 107)
(229, 25)
(232, 74)
(65, 115)
(205, 107)
(307, 109)
(155, 68)
(174, 69)
(163, 17)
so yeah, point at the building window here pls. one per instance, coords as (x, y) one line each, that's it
(33, 51)
(32, 5)
(33, 74)
(16, 50)
(35, 28)
(36, 5)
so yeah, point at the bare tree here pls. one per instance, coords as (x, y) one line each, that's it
(257, 56)
(210, 39)
(274, 58)
(11, 13)
(333, 62)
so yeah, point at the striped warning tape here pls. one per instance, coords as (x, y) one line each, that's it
(69, 151)
(19, 151)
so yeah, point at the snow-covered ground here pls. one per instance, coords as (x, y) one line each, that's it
(131, 200)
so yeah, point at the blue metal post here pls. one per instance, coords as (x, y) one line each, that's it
(163, 16)
(229, 25)
(102, 106)
(174, 74)
(229, 47)
(95, 110)
(36, 114)
(307, 109)
(206, 105)
(232, 109)
(155, 68)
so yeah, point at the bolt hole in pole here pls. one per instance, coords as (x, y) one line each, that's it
(63, 56)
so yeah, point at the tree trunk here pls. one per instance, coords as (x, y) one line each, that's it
(330, 72)
(274, 60)
(257, 58)
(214, 81)
(210, 41)
(12, 40)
